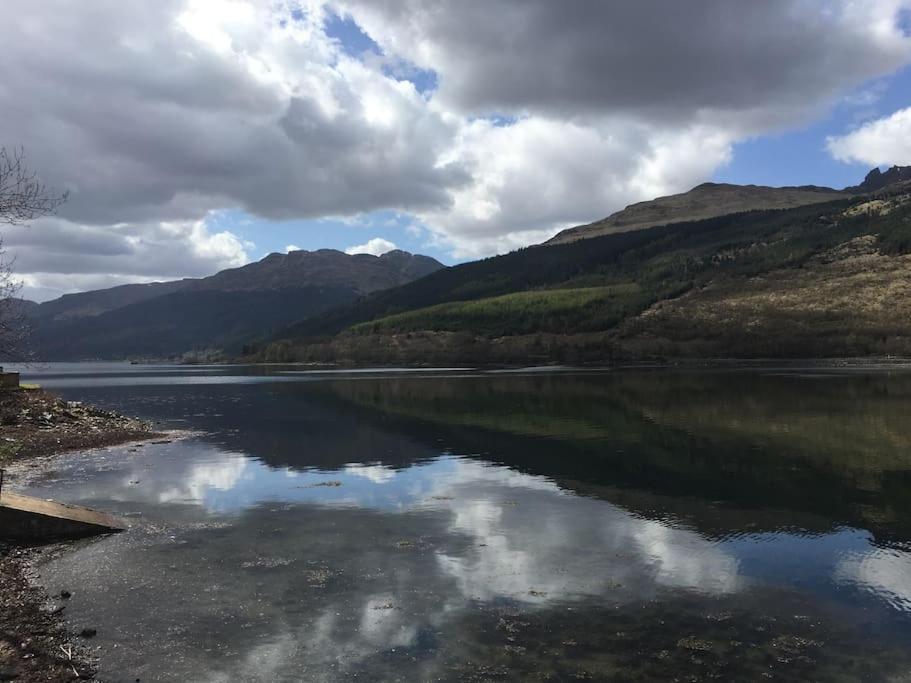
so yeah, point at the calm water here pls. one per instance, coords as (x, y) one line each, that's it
(453, 525)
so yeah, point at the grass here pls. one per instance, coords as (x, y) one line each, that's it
(550, 310)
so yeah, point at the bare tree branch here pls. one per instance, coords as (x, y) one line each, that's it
(23, 198)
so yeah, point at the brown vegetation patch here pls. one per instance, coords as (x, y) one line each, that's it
(855, 306)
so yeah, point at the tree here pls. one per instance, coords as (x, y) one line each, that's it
(23, 198)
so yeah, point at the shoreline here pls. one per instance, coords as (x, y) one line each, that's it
(732, 363)
(36, 643)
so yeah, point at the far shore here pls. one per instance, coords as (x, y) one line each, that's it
(525, 364)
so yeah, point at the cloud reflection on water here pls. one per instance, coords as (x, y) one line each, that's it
(884, 572)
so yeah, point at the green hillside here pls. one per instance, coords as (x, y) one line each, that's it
(820, 280)
(547, 310)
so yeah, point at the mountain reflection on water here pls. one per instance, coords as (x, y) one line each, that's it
(470, 526)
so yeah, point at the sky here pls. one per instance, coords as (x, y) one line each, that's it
(197, 135)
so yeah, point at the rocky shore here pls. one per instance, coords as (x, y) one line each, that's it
(35, 644)
(34, 422)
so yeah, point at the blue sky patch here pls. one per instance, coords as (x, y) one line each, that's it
(352, 39)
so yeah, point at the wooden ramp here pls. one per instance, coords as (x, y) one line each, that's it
(23, 518)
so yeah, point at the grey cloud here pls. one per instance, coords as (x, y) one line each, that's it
(141, 120)
(664, 60)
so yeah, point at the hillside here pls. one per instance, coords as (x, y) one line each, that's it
(704, 201)
(711, 200)
(96, 302)
(220, 312)
(820, 280)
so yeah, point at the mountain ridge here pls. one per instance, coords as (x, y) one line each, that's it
(273, 271)
(706, 200)
(221, 311)
(710, 199)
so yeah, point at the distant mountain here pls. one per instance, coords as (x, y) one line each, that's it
(222, 311)
(877, 180)
(96, 302)
(703, 201)
(326, 267)
(828, 278)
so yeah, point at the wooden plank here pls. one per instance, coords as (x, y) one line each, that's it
(27, 518)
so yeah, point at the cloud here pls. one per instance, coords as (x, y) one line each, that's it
(540, 175)
(606, 104)
(663, 61)
(156, 114)
(377, 247)
(885, 141)
(291, 247)
(543, 115)
(203, 104)
(55, 256)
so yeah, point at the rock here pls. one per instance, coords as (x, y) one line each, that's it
(65, 595)
(88, 633)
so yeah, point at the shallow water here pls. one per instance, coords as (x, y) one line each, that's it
(453, 525)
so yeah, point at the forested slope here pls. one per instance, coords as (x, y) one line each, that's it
(822, 280)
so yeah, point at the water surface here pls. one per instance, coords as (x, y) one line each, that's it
(454, 525)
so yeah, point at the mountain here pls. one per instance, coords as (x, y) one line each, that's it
(222, 311)
(87, 304)
(363, 273)
(325, 267)
(704, 201)
(720, 199)
(827, 278)
(877, 180)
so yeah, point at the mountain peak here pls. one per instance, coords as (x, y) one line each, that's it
(876, 179)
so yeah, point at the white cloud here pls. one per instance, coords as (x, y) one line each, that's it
(886, 141)
(540, 175)
(377, 247)
(291, 247)
(56, 256)
(155, 114)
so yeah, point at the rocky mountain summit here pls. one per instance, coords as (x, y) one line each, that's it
(877, 180)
